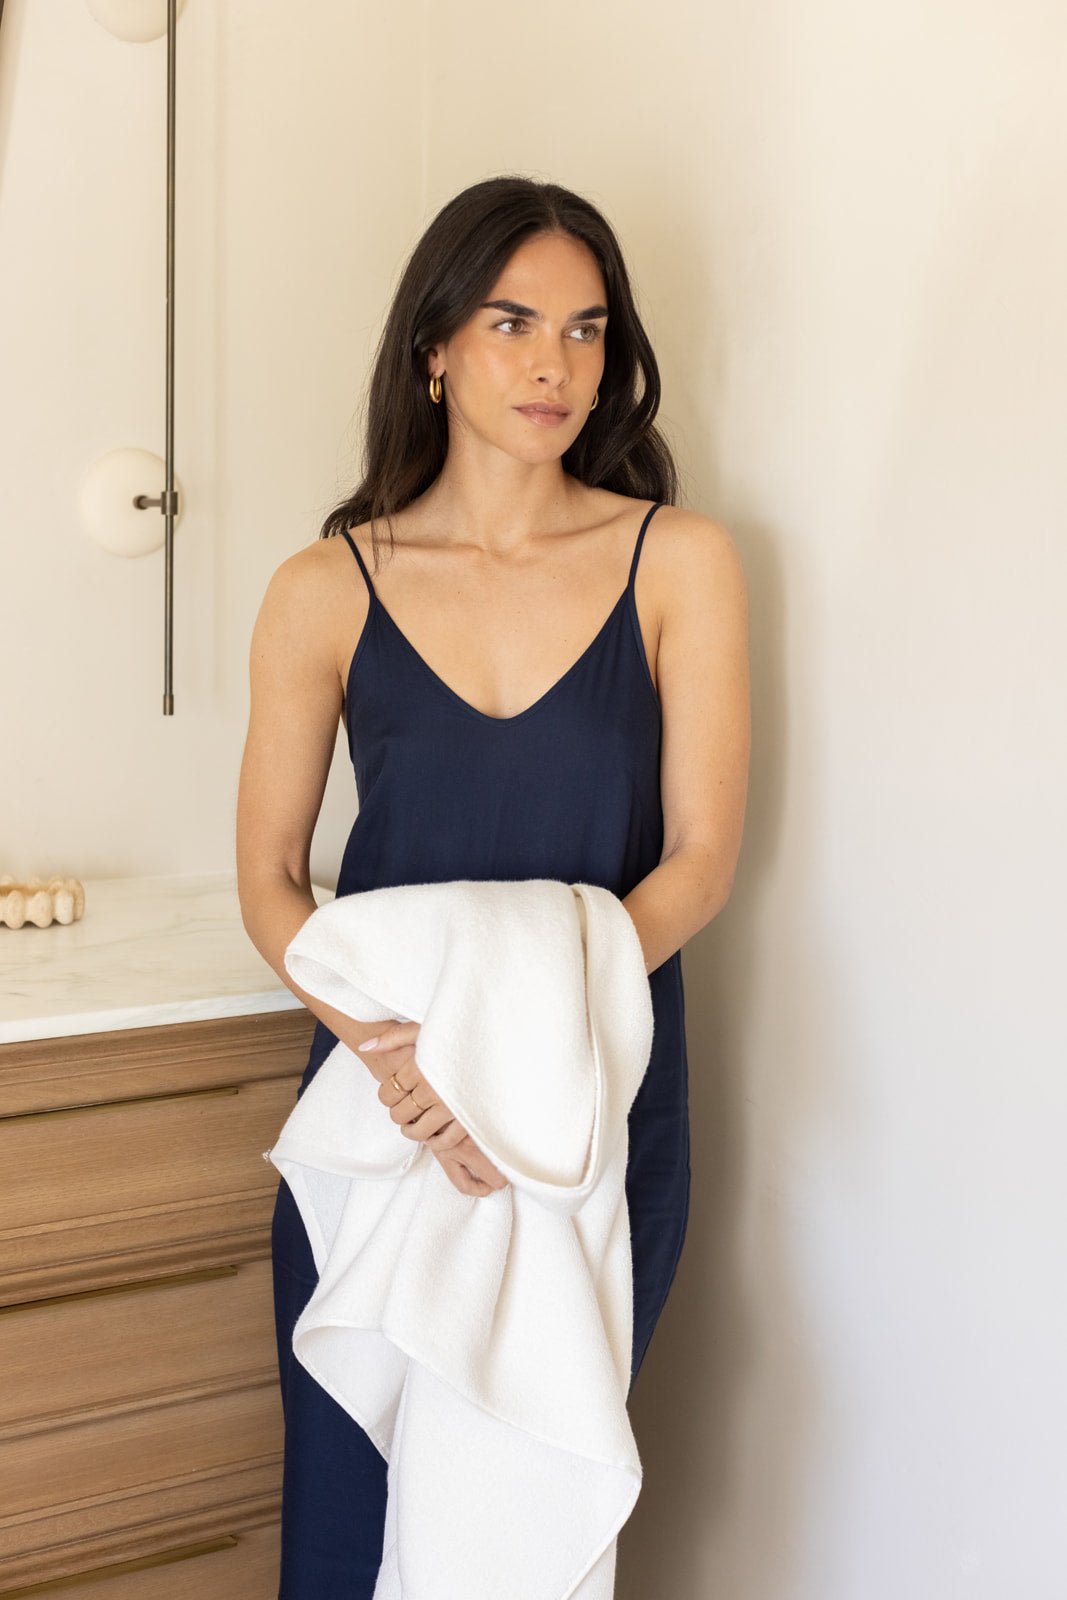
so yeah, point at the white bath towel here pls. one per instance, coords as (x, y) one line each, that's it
(482, 1342)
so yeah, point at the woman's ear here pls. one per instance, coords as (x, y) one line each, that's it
(435, 362)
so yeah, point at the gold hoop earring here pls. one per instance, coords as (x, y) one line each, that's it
(596, 399)
(435, 389)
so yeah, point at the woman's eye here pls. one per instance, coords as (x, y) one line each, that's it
(589, 328)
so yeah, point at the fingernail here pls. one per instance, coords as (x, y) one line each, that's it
(368, 1044)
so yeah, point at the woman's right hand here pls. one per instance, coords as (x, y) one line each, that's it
(392, 1051)
(467, 1167)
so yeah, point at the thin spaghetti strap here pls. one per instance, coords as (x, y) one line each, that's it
(362, 566)
(640, 539)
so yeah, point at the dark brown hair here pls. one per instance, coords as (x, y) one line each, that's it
(449, 273)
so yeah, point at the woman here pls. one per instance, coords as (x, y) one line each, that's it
(524, 696)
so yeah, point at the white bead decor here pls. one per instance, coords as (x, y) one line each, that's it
(40, 900)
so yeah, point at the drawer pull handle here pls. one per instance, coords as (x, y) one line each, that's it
(172, 1281)
(138, 1564)
(132, 1100)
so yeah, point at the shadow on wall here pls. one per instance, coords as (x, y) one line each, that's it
(708, 1342)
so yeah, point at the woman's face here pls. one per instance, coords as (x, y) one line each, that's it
(544, 346)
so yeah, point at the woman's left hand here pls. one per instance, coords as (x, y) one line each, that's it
(410, 1098)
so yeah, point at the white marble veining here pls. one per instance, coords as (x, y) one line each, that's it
(147, 951)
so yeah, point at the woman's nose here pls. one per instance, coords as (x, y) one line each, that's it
(551, 365)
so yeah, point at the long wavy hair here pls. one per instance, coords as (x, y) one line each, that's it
(449, 274)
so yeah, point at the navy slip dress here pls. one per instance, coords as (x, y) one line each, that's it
(567, 789)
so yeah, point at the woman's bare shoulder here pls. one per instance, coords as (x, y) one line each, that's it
(692, 552)
(311, 603)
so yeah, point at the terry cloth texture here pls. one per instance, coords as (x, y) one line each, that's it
(482, 1342)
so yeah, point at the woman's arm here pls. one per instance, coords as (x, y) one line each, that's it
(292, 731)
(703, 681)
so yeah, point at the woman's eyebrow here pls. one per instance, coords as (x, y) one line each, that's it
(516, 310)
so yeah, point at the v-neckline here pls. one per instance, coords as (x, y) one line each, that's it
(542, 699)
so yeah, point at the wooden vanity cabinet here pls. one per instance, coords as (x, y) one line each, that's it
(140, 1415)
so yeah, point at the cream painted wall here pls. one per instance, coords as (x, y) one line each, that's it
(847, 228)
(847, 231)
(290, 228)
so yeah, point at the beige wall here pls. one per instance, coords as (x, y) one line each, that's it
(847, 231)
(290, 227)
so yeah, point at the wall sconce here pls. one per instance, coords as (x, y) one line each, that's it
(117, 490)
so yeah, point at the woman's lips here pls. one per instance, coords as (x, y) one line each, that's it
(547, 419)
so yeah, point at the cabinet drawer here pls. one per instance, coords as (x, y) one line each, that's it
(113, 1349)
(242, 1566)
(109, 1482)
(86, 1068)
(101, 1194)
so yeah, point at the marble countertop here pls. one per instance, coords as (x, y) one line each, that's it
(145, 952)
